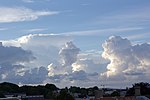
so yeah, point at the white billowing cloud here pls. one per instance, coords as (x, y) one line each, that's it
(90, 62)
(126, 60)
(44, 47)
(51, 58)
(21, 14)
(69, 54)
(88, 65)
(48, 49)
(76, 68)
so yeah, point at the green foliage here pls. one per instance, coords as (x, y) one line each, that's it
(50, 95)
(91, 91)
(2, 95)
(64, 95)
(95, 88)
(74, 89)
(46, 90)
(144, 88)
(84, 91)
(50, 90)
(8, 87)
(115, 93)
(51, 87)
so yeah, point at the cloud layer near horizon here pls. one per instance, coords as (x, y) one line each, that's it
(40, 58)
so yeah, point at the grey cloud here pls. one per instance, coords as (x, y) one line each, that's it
(69, 54)
(33, 76)
(11, 60)
(14, 54)
(78, 75)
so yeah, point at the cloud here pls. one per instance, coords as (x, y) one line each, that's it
(69, 54)
(76, 68)
(14, 54)
(48, 44)
(12, 60)
(20, 14)
(28, 1)
(3, 28)
(88, 65)
(133, 16)
(78, 75)
(85, 4)
(32, 1)
(106, 31)
(34, 76)
(21, 76)
(44, 47)
(140, 36)
(127, 61)
(54, 53)
(36, 30)
(90, 62)
(61, 62)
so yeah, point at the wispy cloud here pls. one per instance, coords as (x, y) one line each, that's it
(28, 1)
(22, 14)
(128, 17)
(103, 31)
(3, 28)
(36, 30)
(85, 4)
(32, 1)
(138, 36)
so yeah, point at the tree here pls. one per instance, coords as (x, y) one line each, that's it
(83, 91)
(2, 95)
(50, 95)
(115, 93)
(9, 87)
(64, 95)
(74, 89)
(51, 87)
(144, 88)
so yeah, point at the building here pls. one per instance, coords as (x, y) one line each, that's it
(35, 97)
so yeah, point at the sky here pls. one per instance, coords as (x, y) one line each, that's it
(75, 42)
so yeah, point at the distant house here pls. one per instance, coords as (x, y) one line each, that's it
(10, 98)
(124, 98)
(34, 97)
(123, 93)
(8, 95)
(21, 96)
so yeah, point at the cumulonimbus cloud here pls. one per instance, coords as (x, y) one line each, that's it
(126, 60)
(20, 14)
(20, 68)
(69, 66)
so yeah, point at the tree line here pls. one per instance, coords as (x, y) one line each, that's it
(50, 91)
